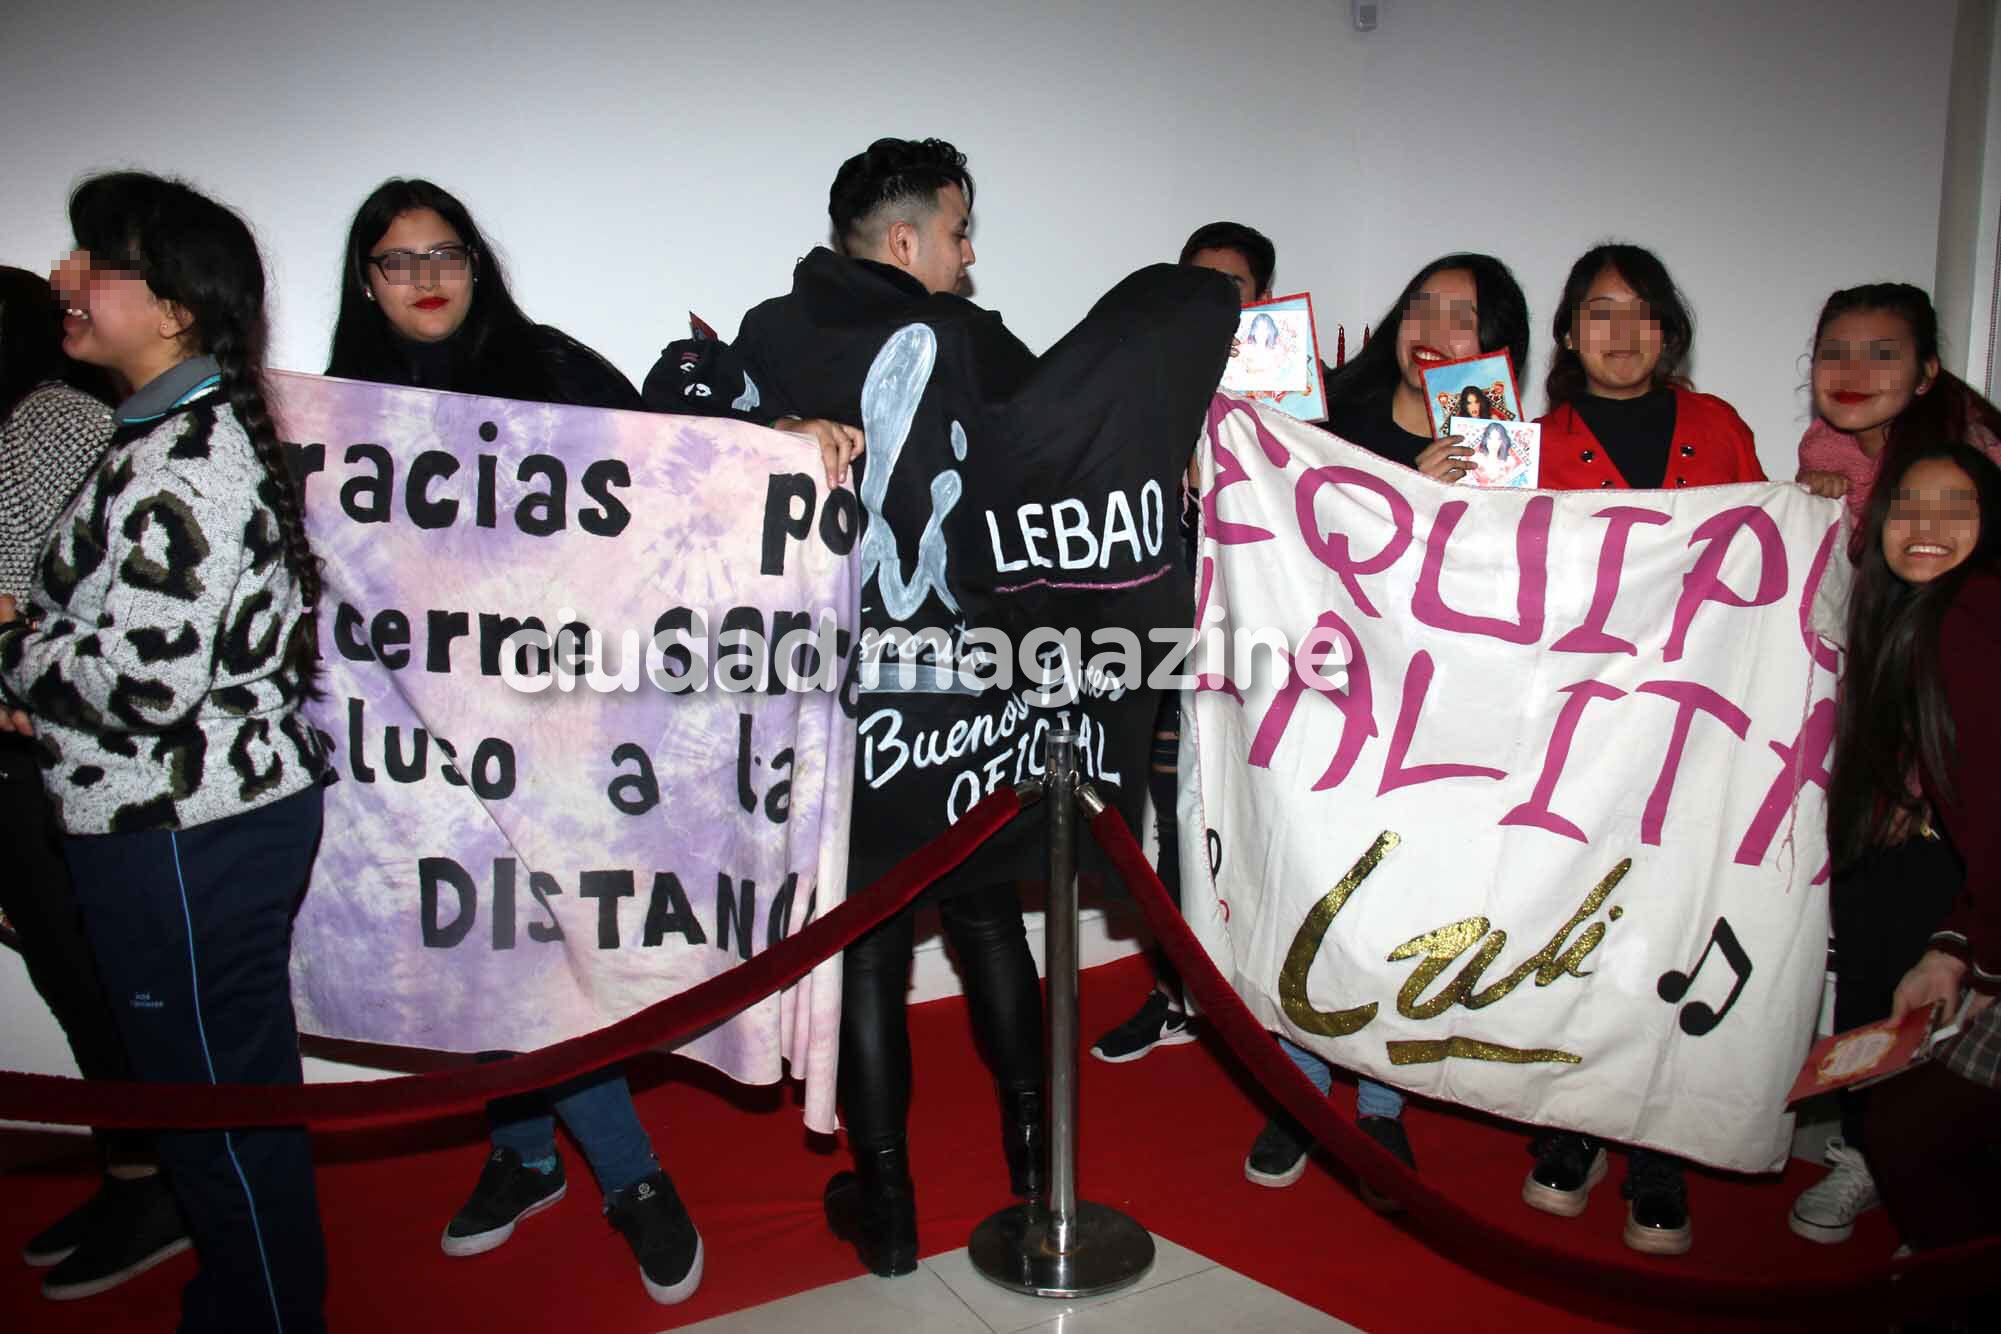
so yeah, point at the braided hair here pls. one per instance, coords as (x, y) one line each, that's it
(199, 255)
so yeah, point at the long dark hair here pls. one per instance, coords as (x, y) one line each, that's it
(1504, 324)
(1892, 721)
(199, 255)
(1648, 277)
(1950, 406)
(31, 343)
(494, 328)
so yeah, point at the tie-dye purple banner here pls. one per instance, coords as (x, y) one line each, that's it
(505, 867)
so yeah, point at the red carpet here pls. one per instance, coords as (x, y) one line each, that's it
(1163, 1138)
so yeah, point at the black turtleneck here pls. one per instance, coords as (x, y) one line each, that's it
(433, 365)
(1636, 433)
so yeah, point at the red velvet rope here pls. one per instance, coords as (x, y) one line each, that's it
(1480, 1245)
(374, 1102)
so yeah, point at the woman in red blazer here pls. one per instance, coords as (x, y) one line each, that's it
(1618, 418)
(1707, 445)
(1618, 414)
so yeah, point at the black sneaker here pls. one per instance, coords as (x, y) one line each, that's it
(136, 1226)
(662, 1236)
(1158, 1024)
(1567, 1166)
(1388, 1132)
(508, 1191)
(1657, 1217)
(53, 1243)
(1278, 1156)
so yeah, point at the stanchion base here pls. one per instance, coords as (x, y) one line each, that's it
(1108, 1251)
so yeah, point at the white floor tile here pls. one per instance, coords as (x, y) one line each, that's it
(1214, 1301)
(1006, 1312)
(918, 1303)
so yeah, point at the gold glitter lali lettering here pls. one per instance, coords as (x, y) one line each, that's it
(1441, 947)
(1306, 946)
(1472, 1049)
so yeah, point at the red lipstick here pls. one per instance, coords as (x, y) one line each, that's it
(1849, 398)
(430, 303)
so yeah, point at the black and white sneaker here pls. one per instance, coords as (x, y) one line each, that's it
(53, 1243)
(1567, 1166)
(508, 1191)
(1158, 1024)
(1387, 1131)
(135, 1226)
(1657, 1217)
(1278, 1155)
(662, 1236)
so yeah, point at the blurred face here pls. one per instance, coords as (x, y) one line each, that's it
(1934, 521)
(421, 275)
(940, 247)
(1866, 370)
(1617, 338)
(111, 318)
(1441, 322)
(1231, 265)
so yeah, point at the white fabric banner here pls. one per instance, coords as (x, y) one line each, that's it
(1556, 847)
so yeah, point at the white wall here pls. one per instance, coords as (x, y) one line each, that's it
(638, 159)
(1979, 187)
(1769, 153)
(1954, 291)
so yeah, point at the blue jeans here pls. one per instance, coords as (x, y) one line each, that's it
(597, 1108)
(1371, 1098)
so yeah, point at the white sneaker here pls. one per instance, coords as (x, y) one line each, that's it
(1827, 1212)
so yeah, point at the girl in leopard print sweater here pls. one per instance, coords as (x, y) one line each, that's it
(160, 667)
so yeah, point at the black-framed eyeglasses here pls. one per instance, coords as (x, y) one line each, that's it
(405, 266)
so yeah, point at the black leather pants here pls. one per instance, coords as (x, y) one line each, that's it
(1002, 992)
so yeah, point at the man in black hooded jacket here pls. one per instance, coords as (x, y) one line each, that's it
(1006, 499)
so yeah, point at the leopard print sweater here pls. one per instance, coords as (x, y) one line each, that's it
(154, 673)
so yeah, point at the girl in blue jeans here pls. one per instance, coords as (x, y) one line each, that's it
(424, 303)
(1278, 1155)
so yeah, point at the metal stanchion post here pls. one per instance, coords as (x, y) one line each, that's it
(1061, 1246)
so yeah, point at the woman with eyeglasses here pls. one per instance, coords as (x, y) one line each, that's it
(424, 303)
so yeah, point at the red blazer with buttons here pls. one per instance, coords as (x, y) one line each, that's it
(1711, 445)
